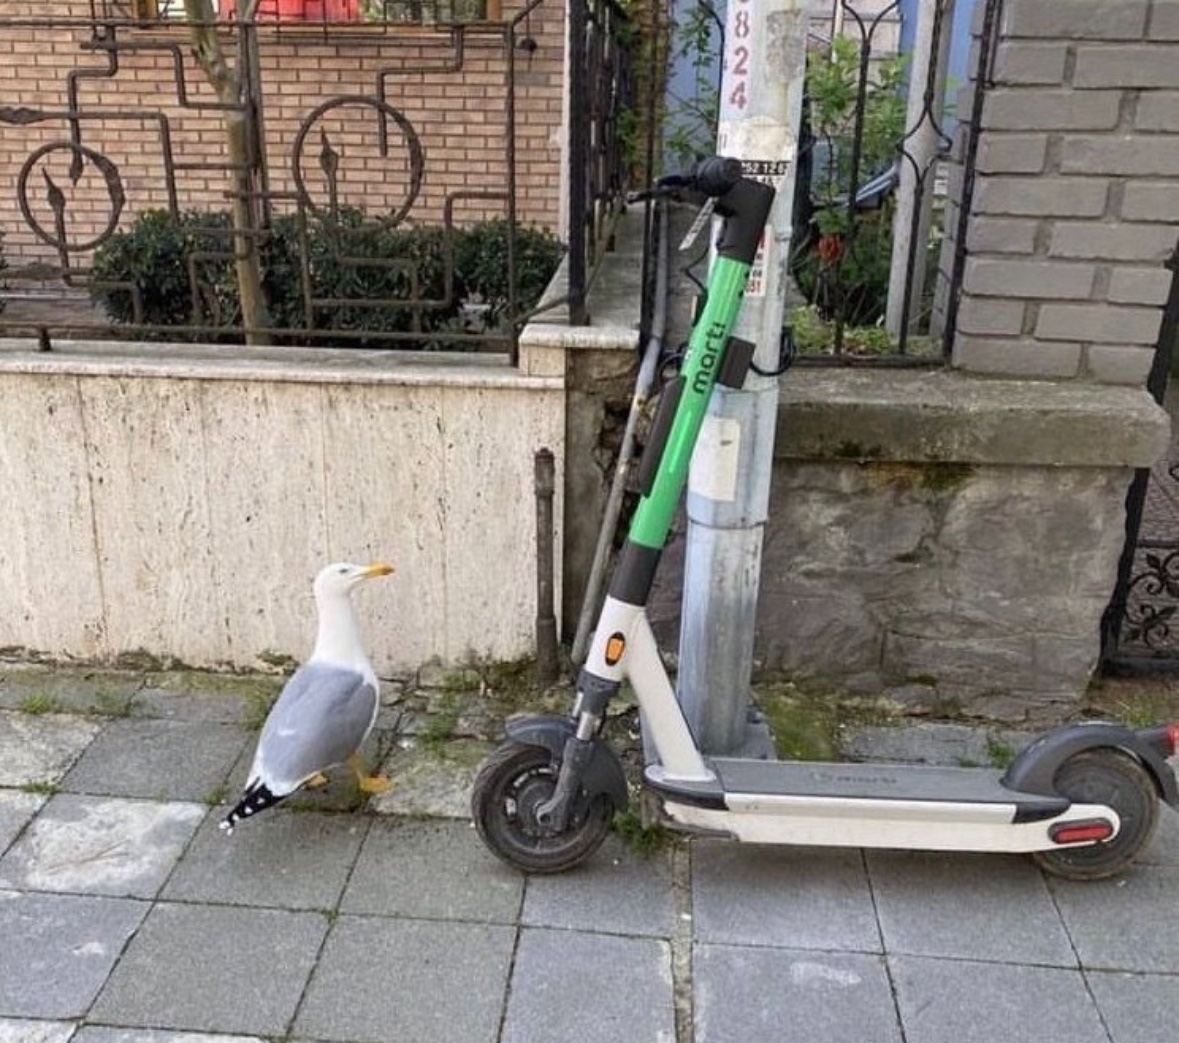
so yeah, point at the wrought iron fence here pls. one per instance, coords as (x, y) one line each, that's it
(885, 173)
(331, 180)
(1140, 628)
(601, 38)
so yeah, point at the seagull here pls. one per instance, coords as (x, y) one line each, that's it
(326, 709)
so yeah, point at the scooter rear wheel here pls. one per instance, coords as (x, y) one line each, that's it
(512, 783)
(1117, 780)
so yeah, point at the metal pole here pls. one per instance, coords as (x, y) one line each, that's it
(930, 59)
(578, 152)
(546, 618)
(729, 483)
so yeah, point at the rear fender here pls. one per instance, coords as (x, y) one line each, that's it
(1034, 770)
(603, 773)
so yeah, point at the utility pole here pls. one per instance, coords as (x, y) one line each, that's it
(729, 482)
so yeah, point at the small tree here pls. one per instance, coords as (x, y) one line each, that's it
(232, 91)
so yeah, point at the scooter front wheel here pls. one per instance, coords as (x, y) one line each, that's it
(1118, 781)
(513, 782)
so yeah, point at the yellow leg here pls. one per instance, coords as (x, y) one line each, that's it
(373, 784)
(317, 781)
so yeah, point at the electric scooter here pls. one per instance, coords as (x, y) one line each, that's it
(1082, 800)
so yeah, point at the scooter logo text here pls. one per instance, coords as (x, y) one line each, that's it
(713, 341)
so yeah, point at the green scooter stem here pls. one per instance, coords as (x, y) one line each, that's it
(706, 352)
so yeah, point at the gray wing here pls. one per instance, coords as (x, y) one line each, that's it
(320, 719)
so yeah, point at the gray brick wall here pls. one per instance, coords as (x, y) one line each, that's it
(1076, 197)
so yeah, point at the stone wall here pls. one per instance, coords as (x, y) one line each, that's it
(1076, 200)
(942, 540)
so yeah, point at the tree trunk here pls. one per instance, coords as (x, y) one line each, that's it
(227, 82)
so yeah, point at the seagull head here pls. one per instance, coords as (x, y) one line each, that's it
(340, 578)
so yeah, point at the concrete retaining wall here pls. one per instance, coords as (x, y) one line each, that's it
(177, 501)
(946, 541)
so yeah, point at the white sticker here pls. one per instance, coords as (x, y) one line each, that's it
(716, 460)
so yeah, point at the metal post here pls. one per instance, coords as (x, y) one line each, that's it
(930, 58)
(578, 150)
(729, 483)
(546, 619)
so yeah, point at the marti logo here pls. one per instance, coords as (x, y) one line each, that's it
(714, 340)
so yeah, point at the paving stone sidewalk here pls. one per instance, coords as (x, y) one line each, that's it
(125, 917)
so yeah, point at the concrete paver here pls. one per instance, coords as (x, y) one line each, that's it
(16, 809)
(1129, 923)
(791, 897)
(101, 845)
(618, 891)
(1137, 1008)
(286, 860)
(968, 1002)
(214, 969)
(967, 906)
(431, 870)
(760, 995)
(39, 749)
(34, 1031)
(157, 759)
(569, 985)
(104, 1034)
(428, 981)
(127, 917)
(59, 949)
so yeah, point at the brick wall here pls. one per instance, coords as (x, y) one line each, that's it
(1076, 201)
(135, 118)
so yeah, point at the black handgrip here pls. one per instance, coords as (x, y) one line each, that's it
(716, 175)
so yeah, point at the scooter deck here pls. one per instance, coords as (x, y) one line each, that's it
(851, 782)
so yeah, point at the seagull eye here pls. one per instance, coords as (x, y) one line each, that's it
(343, 572)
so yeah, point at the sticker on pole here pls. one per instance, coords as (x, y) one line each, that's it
(716, 461)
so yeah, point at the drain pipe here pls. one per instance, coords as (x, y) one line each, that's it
(644, 384)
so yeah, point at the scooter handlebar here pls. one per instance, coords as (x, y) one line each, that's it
(715, 175)
(744, 203)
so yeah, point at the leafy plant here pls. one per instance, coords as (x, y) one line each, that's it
(362, 275)
(38, 704)
(168, 271)
(481, 262)
(843, 252)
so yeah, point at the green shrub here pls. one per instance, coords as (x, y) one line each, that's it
(481, 263)
(144, 275)
(348, 260)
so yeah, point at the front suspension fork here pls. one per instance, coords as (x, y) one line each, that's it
(593, 696)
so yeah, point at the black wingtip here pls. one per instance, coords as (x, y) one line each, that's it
(256, 798)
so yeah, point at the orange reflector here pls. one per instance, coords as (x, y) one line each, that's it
(1090, 831)
(615, 646)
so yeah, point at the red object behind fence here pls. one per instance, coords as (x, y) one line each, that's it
(300, 10)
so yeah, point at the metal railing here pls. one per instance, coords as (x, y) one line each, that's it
(1140, 627)
(601, 89)
(885, 167)
(361, 236)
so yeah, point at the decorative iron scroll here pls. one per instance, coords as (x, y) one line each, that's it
(1141, 624)
(362, 233)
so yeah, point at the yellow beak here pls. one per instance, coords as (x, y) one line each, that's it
(379, 569)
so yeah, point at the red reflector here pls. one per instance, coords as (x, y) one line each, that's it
(1173, 739)
(1088, 831)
